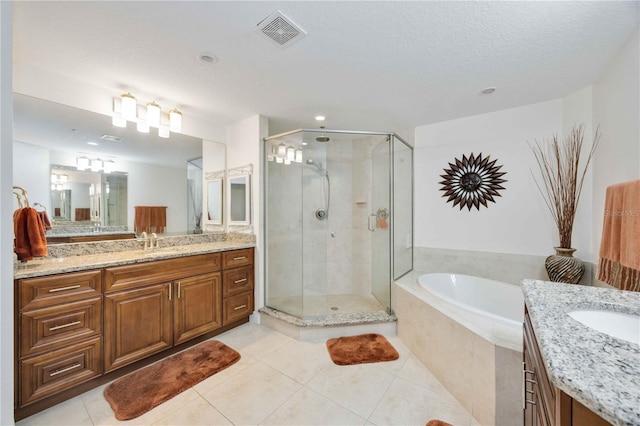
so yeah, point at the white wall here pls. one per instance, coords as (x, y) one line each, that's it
(244, 146)
(518, 222)
(32, 171)
(616, 108)
(6, 215)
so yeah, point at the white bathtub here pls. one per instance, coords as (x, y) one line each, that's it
(491, 309)
(468, 332)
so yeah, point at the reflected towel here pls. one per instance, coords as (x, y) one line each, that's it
(620, 244)
(44, 218)
(150, 219)
(30, 240)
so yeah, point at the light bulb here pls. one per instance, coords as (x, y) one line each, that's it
(163, 131)
(96, 165)
(54, 178)
(282, 150)
(118, 121)
(153, 114)
(175, 120)
(63, 178)
(142, 126)
(82, 163)
(287, 161)
(129, 107)
(298, 156)
(109, 166)
(270, 157)
(279, 160)
(291, 153)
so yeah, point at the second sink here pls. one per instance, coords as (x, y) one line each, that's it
(615, 324)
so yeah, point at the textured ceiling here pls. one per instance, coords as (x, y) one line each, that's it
(365, 65)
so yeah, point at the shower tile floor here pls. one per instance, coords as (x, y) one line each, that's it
(283, 381)
(315, 306)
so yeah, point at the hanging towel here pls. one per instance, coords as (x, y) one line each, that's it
(30, 240)
(44, 218)
(620, 244)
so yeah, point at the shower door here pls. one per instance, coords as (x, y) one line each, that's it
(380, 223)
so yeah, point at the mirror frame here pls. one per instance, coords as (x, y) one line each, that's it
(243, 172)
(212, 177)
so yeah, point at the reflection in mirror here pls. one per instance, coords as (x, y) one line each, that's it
(239, 190)
(83, 198)
(214, 201)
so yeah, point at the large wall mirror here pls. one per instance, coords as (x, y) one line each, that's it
(50, 136)
(214, 197)
(239, 195)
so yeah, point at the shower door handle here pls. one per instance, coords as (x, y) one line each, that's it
(372, 222)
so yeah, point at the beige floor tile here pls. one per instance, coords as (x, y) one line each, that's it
(252, 339)
(195, 413)
(252, 394)
(407, 404)
(355, 387)
(307, 407)
(415, 372)
(68, 413)
(301, 361)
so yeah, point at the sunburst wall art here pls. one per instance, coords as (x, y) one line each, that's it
(472, 181)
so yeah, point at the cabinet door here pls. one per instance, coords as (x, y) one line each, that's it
(137, 323)
(197, 306)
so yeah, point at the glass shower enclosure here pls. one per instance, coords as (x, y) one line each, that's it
(338, 221)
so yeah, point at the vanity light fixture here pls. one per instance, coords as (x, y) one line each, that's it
(282, 150)
(126, 108)
(291, 153)
(109, 166)
(94, 164)
(298, 156)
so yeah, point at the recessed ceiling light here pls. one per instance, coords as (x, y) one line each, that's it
(93, 143)
(320, 118)
(488, 91)
(208, 58)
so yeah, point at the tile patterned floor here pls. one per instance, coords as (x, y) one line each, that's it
(283, 381)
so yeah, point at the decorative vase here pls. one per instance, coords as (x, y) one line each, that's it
(563, 267)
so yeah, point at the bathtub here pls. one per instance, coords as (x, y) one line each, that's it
(468, 332)
(492, 309)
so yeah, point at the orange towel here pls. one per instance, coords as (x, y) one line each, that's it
(620, 244)
(30, 240)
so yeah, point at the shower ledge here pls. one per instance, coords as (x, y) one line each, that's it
(337, 325)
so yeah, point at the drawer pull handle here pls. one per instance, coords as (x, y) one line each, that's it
(530, 391)
(530, 402)
(240, 258)
(71, 287)
(64, 370)
(239, 281)
(58, 327)
(237, 308)
(531, 381)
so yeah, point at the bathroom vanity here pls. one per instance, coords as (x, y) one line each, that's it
(102, 316)
(573, 374)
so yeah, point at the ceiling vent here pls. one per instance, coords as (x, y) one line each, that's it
(279, 29)
(111, 138)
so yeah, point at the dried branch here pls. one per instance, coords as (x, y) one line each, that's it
(559, 166)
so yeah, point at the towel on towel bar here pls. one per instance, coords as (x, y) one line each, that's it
(30, 240)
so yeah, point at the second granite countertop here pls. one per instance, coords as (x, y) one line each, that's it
(600, 371)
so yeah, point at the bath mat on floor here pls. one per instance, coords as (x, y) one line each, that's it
(437, 423)
(136, 393)
(361, 349)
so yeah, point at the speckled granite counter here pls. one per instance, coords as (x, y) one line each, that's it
(600, 371)
(133, 253)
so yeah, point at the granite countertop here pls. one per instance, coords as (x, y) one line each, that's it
(600, 371)
(56, 265)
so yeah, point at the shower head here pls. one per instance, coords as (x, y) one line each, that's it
(317, 165)
(322, 139)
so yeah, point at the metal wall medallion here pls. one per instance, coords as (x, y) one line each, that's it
(472, 181)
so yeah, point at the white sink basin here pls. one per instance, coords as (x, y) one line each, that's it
(615, 324)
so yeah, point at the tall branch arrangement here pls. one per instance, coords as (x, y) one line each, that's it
(559, 164)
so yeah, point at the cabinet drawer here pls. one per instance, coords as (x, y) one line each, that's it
(47, 374)
(236, 281)
(237, 307)
(46, 329)
(236, 258)
(140, 274)
(53, 289)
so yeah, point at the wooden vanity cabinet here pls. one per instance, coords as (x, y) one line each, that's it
(58, 333)
(153, 306)
(545, 404)
(237, 284)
